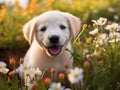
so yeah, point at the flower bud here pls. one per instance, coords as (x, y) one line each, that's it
(87, 64)
(11, 74)
(89, 40)
(12, 61)
(47, 81)
(66, 65)
(100, 63)
(53, 70)
(21, 60)
(35, 85)
(18, 38)
(61, 76)
(85, 25)
(98, 55)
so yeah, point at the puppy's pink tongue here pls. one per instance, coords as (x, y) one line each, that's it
(54, 50)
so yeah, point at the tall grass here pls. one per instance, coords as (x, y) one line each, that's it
(98, 53)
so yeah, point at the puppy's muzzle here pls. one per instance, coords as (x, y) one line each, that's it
(54, 39)
(54, 48)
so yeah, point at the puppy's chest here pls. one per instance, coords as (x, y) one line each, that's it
(39, 59)
(47, 63)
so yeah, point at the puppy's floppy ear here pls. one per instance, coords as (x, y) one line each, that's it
(28, 30)
(74, 24)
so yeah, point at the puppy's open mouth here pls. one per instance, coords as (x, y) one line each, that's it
(54, 50)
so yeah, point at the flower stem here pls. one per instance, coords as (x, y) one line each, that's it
(43, 74)
(79, 35)
(75, 87)
(52, 76)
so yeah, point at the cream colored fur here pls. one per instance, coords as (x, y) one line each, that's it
(37, 56)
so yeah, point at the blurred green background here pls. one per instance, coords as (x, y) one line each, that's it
(13, 17)
(101, 63)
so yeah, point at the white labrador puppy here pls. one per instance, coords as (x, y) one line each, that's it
(50, 35)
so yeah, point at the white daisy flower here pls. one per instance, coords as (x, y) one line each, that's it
(118, 28)
(22, 68)
(27, 78)
(95, 31)
(75, 75)
(114, 35)
(113, 26)
(85, 51)
(2, 64)
(3, 68)
(116, 17)
(68, 89)
(111, 9)
(103, 36)
(102, 39)
(56, 86)
(101, 21)
(113, 40)
(37, 72)
(31, 74)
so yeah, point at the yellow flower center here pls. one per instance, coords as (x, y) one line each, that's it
(27, 74)
(25, 67)
(75, 75)
(1, 66)
(35, 74)
(56, 88)
(5, 71)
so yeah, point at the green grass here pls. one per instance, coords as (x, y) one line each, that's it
(12, 19)
(103, 62)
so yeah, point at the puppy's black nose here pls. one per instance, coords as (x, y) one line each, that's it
(54, 39)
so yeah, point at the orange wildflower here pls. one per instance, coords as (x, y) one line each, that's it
(47, 81)
(66, 65)
(12, 61)
(3, 7)
(53, 70)
(1, 18)
(18, 38)
(32, 6)
(16, 2)
(21, 60)
(25, 13)
(87, 64)
(11, 74)
(61, 76)
(20, 25)
(17, 9)
(35, 85)
(89, 39)
(49, 3)
(100, 63)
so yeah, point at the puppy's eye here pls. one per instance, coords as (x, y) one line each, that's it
(43, 29)
(62, 27)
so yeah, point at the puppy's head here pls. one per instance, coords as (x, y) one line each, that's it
(52, 30)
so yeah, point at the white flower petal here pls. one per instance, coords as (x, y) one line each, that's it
(101, 21)
(113, 26)
(68, 89)
(75, 75)
(55, 86)
(95, 31)
(2, 64)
